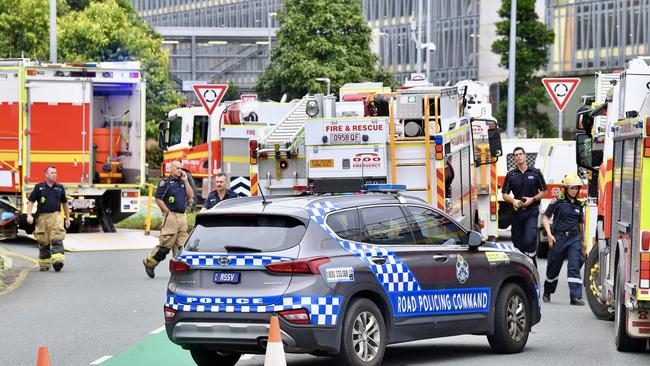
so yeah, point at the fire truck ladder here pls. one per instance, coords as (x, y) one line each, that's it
(286, 134)
(401, 152)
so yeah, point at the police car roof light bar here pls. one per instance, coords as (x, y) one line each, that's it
(387, 188)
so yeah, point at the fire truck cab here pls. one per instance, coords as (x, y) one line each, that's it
(613, 148)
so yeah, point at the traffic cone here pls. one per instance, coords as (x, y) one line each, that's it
(274, 347)
(43, 356)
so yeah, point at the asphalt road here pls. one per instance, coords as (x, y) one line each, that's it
(102, 304)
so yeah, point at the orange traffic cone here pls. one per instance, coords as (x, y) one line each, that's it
(274, 347)
(43, 356)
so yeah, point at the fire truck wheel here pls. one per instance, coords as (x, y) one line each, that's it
(591, 281)
(624, 343)
(511, 320)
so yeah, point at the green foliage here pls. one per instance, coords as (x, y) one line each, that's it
(533, 42)
(319, 38)
(154, 154)
(91, 30)
(233, 92)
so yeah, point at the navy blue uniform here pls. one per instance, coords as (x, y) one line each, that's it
(524, 220)
(213, 198)
(49, 199)
(172, 192)
(567, 217)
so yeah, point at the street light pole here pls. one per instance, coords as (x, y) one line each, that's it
(510, 128)
(53, 31)
(270, 15)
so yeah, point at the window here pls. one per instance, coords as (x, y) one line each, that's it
(200, 130)
(345, 224)
(247, 233)
(175, 130)
(434, 228)
(386, 225)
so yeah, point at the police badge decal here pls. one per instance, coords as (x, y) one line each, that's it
(462, 269)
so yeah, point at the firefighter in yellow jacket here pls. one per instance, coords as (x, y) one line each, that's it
(171, 196)
(49, 231)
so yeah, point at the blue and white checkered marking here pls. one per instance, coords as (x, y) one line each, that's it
(494, 246)
(323, 310)
(212, 260)
(394, 275)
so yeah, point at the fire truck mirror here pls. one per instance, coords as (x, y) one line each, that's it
(163, 134)
(494, 137)
(583, 151)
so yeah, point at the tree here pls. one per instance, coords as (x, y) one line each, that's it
(320, 38)
(106, 30)
(233, 92)
(533, 41)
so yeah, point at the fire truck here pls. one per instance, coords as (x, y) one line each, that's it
(424, 143)
(613, 148)
(86, 119)
(184, 137)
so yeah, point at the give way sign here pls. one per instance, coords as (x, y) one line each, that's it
(560, 90)
(210, 95)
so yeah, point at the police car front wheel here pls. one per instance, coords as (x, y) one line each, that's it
(511, 320)
(363, 341)
(206, 357)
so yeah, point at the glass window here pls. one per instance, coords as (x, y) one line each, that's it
(175, 130)
(345, 224)
(200, 130)
(386, 225)
(245, 233)
(431, 227)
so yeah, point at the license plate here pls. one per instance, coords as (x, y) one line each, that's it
(226, 277)
(321, 163)
(345, 138)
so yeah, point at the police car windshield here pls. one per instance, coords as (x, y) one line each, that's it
(257, 233)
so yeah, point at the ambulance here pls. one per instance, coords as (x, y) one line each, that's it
(613, 148)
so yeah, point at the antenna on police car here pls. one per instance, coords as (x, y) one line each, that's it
(261, 193)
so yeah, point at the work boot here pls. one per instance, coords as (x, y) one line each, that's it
(577, 302)
(546, 298)
(44, 269)
(148, 269)
(57, 265)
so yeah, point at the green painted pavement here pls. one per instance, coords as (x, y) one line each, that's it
(155, 350)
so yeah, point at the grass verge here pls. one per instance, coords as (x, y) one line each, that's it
(137, 222)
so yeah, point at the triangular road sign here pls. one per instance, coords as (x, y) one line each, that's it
(210, 95)
(560, 90)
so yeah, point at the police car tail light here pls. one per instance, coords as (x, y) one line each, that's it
(176, 266)
(169, 314)
(296, 316)
(300, 266)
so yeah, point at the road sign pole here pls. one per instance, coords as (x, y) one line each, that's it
(560, 124)
(209, 156)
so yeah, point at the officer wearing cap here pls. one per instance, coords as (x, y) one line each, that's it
(528, 187)
(222, 192)
(49, 231)
(565, 239)
(171, 197)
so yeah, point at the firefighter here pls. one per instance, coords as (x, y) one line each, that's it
(49, 232)
(528, 187)
(222, 192)
(565, 239)
(171, 197)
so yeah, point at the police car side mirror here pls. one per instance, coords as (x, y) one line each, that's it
(474, 239)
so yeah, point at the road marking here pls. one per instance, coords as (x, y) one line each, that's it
(22, 275)
(100, 360)
(157, 330)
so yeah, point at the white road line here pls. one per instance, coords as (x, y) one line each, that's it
(100, 360)
(157, 330)
(246, 357)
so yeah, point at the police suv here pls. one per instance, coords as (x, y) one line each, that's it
(347, 275)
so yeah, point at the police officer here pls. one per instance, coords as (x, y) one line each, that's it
(49, 231)
(564, 239)
(528, 188)
(222, 192)
(171, 197)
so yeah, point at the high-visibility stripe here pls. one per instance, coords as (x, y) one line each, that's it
(173, 154)
(440, 187)
(254, 191)
(236, 159)
(551, 279)
(574, 280)
(197, 155)
(9, 156)
(59, 158)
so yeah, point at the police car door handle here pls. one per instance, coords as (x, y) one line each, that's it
(378, 260)
(440, 258)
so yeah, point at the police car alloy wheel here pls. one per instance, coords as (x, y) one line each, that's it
(363, 341)
(206, 357)
(511, 320)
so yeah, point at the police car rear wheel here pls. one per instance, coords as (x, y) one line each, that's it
(206, 357)
(511, 320)
(363, 341)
